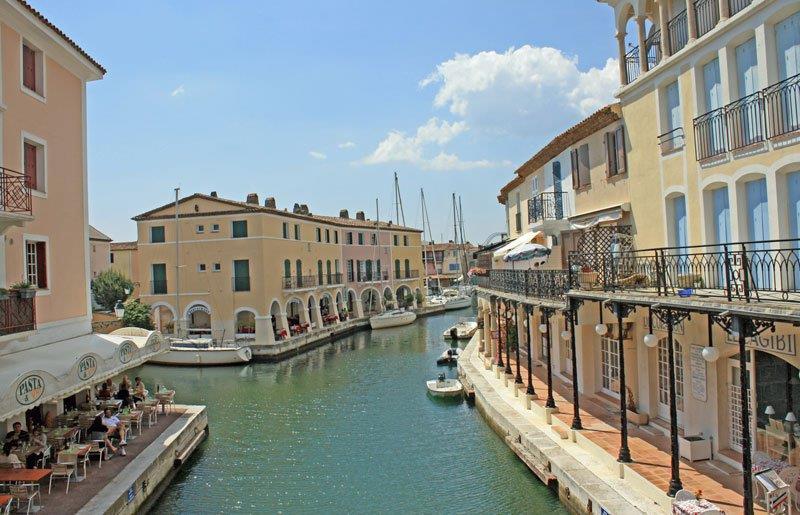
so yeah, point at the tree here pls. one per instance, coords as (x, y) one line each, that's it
(109, 287)
(137, 314)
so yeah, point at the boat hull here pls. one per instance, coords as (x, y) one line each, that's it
(463, 331)
(458, 303)
(204, 357)
(448, 388)
(381, 322)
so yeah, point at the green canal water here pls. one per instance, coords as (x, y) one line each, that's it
(345, 428)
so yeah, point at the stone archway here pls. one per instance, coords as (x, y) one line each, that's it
(163, 318)
(370, 301)
(403, 294)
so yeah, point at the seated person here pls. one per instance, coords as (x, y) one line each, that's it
(104, 393)
(9, 460)
(98, 431)
(39, 441)
(16, 437)
(124, 395)
(139, 391)
(115, 426)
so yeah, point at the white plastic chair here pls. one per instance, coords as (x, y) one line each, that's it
(684, 495)
(20, 493)
(62, 471)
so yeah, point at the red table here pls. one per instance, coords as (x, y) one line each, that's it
(23, 475)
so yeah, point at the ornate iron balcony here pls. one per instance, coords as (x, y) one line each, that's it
(549, 205)
(17, 314)
(540, 284)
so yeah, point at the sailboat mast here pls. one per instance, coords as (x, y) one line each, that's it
(463, 241)
(430, 233)
(455, 221)
(398, 202)
(177, 268)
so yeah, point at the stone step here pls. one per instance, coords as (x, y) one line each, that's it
(723, 468)
(560, 431)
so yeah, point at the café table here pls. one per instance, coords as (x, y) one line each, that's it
(110, 403)
(4, 500)
(60, 435)
(75, 455)
(23, 475)
(694, 507)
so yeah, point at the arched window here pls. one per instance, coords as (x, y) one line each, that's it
(298, 271)
(287, 268)
(328, 270)
(407, 266)
(319, 272)
(378, 269)
(369, 270)
(397, 269)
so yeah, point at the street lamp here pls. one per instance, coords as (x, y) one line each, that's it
(542, 328)
(710, 354)
(650, 340)
(600, 329)
(119, 309)
(565, 335)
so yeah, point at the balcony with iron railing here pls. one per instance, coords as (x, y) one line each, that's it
(17, 314)
(406, 274)
(371, 276)
(539, 284)
(16, 205)
(748, 271)
(299, 282)
(678, 29)
(546, 206)
(707, 15)
(671, 141)
(734, 6)
(771, 113)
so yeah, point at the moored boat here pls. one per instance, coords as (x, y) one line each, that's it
(442, 387)
(453, 299)
(448, 357)
(463, 330)
(393, 318)
(203, 352)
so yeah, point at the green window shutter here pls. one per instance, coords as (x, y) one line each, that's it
(240, 229)
(157, 234)
(241, 275)
(159, 278)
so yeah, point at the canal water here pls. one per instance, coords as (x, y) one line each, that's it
(345, 428)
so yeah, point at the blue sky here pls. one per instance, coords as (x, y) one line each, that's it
(318, 102)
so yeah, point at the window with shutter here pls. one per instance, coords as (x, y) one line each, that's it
(611, 154)
(573, 158)
(31, 166)
(240, 229)
(583, 165)
(622, 158)
(29, 67)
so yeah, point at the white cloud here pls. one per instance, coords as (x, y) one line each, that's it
(317, 155)
(399, 147)
(528, 90)
(346, 144)
(178, 91)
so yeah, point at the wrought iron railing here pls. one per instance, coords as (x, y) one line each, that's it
(550, 205)
(748, 271)
(745, 120)
(672, 140)
(707, 13)
(653, 46)
(373, 275)
(335, 278)
(734, 6)
(678, 29)
(540, 284)
(158, 287)
(296, 282)
(782, 102)
(17, 314)
(15, 192)
(710, 134)
(632, 64)
(406, 274)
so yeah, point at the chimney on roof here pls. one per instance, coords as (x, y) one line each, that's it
(296, 208)
(252, 198)
(214, 194)
(343, 213)
(304, 209)
(270, 202)
(360, 215)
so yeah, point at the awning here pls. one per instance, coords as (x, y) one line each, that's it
(60, 369)
(528, 251)
(586, 222)
(528, 237)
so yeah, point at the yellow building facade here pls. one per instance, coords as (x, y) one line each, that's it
(243, 270)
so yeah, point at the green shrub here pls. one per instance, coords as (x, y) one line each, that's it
(137, 314)
(109, 287)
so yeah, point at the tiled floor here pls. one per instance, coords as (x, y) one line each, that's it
(651, 454)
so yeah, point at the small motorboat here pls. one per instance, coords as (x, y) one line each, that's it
(203, 352)
(442, 387)
(393, 318)
(463, 330)
(435, 300)
(448, 357)
(454, 299)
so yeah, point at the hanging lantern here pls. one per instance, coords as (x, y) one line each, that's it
(650, 340)
(710, 354)
(542, 328)
(601, 329)
(565, 335)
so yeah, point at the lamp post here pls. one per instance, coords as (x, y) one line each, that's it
(675, 481)
(622, 311)
(508, 347)
(573, 318)
(545, 329)
(119, 309)
(500, 322)
(530, 390)
(518, 379)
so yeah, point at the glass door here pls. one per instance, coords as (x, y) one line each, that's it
(663, 379)
(609, 366)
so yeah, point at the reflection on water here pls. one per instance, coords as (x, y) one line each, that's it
(347, 427)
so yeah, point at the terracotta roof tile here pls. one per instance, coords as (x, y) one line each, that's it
(124, 245)
(96, 235)
(61, 33)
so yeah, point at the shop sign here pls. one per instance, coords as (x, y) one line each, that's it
(699, 383)
(30, 389)
(126, 352)
(87, 367)
(778, 343)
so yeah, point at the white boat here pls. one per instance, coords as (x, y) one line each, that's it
(393, 318)
(448, 357)
(453, 299)
(435, 300)
(464, 330)
(203, 352)
(442, 387)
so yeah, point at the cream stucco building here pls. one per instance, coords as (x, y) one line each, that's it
(249, 270)
(673, 219)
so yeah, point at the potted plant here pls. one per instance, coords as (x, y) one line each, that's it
(4, 294)
(587, 277)
(634, 417)
(24, 289)
(409, 300)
